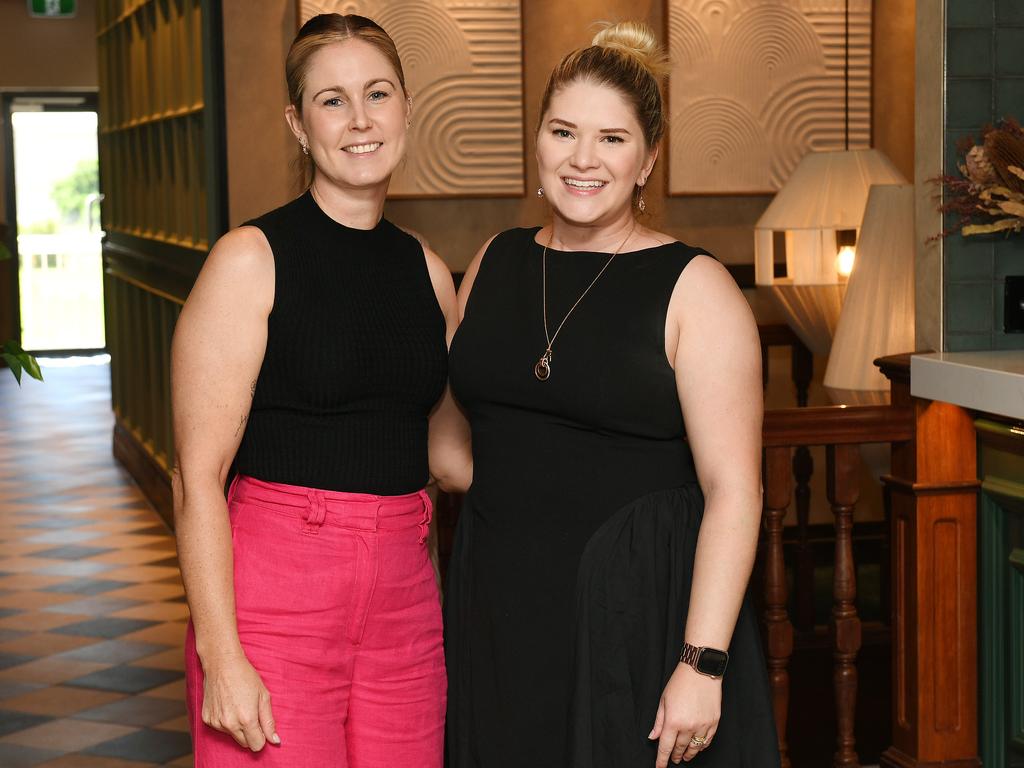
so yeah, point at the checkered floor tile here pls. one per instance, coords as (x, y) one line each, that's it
(92, 612)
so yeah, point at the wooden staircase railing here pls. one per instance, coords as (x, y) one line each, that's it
(841, 430)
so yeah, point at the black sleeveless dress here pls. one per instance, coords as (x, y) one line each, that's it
(570, 577)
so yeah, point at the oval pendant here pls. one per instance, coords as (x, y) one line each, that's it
(542, 370)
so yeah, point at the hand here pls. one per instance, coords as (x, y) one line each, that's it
(236, 702)
(691, 705)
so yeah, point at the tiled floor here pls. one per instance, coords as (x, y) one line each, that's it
(92, 612)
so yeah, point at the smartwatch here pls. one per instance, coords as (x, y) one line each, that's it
(707, 661)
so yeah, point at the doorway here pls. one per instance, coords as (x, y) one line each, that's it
(53, 217)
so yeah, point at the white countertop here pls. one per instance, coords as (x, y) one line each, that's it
(992, 382)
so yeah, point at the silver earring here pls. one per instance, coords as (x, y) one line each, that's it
(305, 146)
(540, 191)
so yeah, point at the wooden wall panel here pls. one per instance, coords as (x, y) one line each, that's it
(756, 85)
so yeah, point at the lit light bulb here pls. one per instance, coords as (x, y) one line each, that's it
(844, 261)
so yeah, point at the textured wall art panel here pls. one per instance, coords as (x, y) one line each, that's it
(756, 84)
(463, 65)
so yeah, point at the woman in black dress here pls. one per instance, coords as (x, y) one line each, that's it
(597, 585)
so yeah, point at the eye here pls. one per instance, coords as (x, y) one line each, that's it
(613, 139)
(334, 101)
(562, 133)
(379, 95)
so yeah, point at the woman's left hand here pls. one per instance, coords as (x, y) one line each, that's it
(691, 705)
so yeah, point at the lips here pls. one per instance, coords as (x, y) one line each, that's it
(363, 149)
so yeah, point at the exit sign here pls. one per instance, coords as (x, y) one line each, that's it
(61, 9)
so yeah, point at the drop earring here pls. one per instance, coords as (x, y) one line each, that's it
(304, 145)
(540, 191)
(640, 201)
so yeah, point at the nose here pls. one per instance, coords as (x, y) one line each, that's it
(583, 156)
(360, 117)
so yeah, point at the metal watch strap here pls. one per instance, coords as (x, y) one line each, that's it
(690, 654)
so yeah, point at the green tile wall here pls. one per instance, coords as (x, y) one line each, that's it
(984, 83)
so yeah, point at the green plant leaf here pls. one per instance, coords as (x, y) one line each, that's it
(13, 347)
(31, 366)
(14, 363)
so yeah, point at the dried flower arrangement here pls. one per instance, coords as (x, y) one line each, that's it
(988, 196)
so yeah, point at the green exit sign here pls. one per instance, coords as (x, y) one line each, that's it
(61, 9)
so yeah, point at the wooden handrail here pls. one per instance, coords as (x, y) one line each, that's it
(837, 425)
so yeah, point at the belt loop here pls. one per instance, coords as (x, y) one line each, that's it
(231, 488)
(428, 509)
(317, 512)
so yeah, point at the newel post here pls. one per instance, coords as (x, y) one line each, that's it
(933, 488)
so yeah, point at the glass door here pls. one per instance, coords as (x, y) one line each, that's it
(57, 224)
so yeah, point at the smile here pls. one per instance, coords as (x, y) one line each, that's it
(584, 186)
(362, 149)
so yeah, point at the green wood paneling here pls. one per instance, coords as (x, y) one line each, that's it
(1001, 586)
(162, 174)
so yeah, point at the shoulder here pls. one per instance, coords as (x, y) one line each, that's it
(243, 250)
(242, 257)
(516, 241)
(508, 240)
(281, 215)
(706, 292)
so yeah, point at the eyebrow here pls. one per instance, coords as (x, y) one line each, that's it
(567, 124)
(339, 89)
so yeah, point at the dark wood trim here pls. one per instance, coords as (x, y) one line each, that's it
(214, 121)
(931, 489)
(835, 425)
(160, 267)
(151, 477)
(894, 758)
(896, 368)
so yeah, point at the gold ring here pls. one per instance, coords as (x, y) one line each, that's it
(698, 741)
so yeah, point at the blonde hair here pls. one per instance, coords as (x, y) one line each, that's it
(327, 28)
(627, 57)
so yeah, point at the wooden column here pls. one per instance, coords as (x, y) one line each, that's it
(934, 492)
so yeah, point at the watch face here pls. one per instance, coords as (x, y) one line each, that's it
(712, 662)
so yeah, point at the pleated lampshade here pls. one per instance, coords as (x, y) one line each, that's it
(825, 195)
(877, 317)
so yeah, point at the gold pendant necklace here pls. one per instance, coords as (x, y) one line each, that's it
(542, 369)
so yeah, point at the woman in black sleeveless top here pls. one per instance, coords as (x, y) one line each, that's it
(312, 354)
(595, 612)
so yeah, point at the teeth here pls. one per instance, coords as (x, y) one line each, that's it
(584, 184)
(359, 149)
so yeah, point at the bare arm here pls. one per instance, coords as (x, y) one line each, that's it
(448, 442)
(451, 456)
(218, 348)
(717, 365)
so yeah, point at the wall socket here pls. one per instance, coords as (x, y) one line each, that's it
(1013, 304)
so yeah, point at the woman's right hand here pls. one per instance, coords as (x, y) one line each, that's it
(236, 702)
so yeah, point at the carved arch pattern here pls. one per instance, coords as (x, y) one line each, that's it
(756, 84)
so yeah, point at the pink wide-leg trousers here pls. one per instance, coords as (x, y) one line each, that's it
(338, 611)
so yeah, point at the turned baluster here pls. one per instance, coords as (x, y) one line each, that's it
(779, 631)
(803, 468)
(843, 490)
(802, 370)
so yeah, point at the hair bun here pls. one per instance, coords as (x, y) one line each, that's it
(638, 41)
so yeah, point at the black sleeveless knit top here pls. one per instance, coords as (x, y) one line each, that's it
(355, 359)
